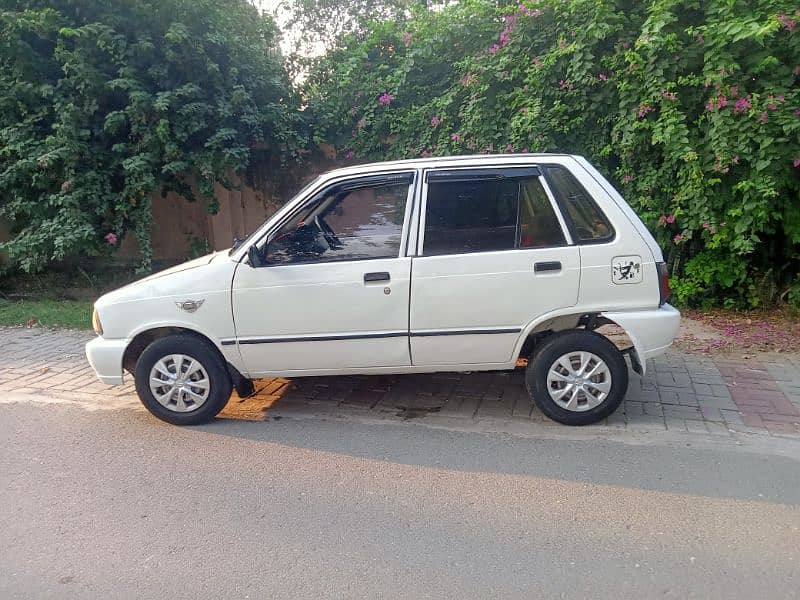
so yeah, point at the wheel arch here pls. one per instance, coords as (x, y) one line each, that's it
(144, 338)
(548, 325)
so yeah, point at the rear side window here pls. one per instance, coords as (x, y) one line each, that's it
(589, 224)
(485, 215)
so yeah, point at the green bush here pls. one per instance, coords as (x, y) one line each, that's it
(692, 108)
(103, 102)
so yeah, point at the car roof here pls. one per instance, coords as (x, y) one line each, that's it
(445, 161)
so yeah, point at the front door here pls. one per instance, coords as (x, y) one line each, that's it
(333, 292)
(494, 255)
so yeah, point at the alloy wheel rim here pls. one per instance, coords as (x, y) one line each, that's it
(579, 381)
(179, 383)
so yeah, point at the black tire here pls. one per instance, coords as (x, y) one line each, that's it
(192, 347)
(545, 357)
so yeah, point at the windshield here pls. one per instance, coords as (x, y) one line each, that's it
(243, 242)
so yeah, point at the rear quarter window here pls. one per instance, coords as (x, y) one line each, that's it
(586, 221)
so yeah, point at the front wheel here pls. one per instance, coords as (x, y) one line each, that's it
(577, 378)
(182, 380)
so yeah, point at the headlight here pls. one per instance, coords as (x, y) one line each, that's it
(98, 328)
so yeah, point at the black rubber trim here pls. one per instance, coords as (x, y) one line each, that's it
(323, 338)
(465, 332)
(368, 336)
(466, 174)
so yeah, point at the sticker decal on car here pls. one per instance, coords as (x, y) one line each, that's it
(626, 269)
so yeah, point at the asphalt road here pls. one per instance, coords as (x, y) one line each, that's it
(114, 504)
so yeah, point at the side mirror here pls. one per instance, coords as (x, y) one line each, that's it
(256, 257)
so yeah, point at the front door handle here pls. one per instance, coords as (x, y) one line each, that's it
(540, 267)
(379, 276)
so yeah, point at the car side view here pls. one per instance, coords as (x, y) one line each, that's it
(443, 264)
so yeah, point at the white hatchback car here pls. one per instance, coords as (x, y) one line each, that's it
(445, 264)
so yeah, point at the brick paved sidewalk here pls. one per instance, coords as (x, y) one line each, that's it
(681, 392)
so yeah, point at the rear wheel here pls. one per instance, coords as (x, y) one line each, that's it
(577, 378)
(182, 379)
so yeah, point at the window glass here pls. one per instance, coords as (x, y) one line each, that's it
(344, 224)
(590, 224)
(538, 224)
(484, 215)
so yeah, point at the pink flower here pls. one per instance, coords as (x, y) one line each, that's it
(493, 50)
(626, 45)
(662, 219)
(468, 79)
(741, 105)
(435, 120)
(349, 154)
(772, 106)
(510, 148)
(407, 37)
(566, 85)
(671, 219)
(505, 38)
(603, 77)
(524, 10)
(627, 178)
(385, 99)
(643, 110)
(362, 122)
(706, 225)
(796, 163)
(111, 239)
(455, 137)
(763, 117)
(671, 96)
(425, 153)
(677, 238)
(537, 13)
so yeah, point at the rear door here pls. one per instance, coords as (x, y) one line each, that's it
(493, 254)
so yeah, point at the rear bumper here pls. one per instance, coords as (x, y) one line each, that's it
(105, 356)
(651, 331)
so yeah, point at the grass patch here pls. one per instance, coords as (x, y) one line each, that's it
(65, 314)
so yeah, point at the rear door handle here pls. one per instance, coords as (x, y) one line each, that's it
(379, 276)
(553, 265)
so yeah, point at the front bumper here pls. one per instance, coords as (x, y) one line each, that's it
(651, 331)
(105, 356)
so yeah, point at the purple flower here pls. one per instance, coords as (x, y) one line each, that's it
(741, 105)
(111, 239)
(385, 99)
(644, 109)
(455, 137)
(435, 120)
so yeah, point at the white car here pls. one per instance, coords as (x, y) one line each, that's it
(444, 264)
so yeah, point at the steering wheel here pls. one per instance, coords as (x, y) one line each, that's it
(326, 230)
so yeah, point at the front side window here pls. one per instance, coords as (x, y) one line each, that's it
(589, 224)
(489, 214)
(350, 221)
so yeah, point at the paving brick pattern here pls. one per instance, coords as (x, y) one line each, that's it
(681, 392)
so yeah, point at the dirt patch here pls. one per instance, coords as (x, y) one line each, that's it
(740, 333)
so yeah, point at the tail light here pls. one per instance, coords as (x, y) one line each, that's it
(663, 282)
